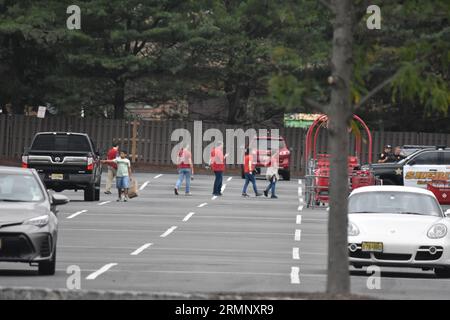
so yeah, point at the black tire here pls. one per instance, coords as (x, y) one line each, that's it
(388, 182)
(443, 272)
(97, 191)
(286, 175)
(89, 193)
(47, 268)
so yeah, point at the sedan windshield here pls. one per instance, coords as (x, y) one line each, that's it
(394, 202)
(19, 188)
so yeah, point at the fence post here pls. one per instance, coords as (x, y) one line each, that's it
(135, 125)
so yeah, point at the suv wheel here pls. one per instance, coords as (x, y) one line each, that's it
(443, 272)
(47, 268)
(97, 192)
(286, 175)
(89, 193)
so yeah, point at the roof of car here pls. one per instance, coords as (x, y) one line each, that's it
(16, 170)
(392, 189)
(60, 133)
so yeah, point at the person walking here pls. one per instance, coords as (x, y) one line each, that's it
(112, 154)
(185, 169)
(123, 175)
(272, 174)
(217, 164)
(248, 174)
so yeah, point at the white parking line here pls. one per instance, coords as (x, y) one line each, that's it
(214, 198)
(299, 219)
(299, 181)
(169, 231)
(202, 205)
(140, 249)
(144, 185)
(300, 208)
(103, 269)
(223, 188)
(159, 175)
(103, 203)
(229, 179)
(296, 253)
(295, 275)
(76, 214)
(300, 192)
(298, 235)
(188, 216)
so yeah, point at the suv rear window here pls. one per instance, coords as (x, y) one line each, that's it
(53, 142)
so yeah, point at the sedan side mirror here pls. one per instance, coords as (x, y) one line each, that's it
(412, 162)
(447, 213)
(59, 200)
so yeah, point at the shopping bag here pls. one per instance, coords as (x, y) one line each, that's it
(133, 192)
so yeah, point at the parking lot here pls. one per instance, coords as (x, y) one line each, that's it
(160, 242)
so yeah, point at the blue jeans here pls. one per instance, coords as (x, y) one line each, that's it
(184, 173)
(217, 189)
(249, 178)
(122, 182)
(271, 186)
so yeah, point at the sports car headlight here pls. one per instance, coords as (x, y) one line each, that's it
(437, 231)
(40, 221)
(352, 229)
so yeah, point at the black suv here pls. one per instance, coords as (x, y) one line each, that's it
(66, 161)
(416, 169)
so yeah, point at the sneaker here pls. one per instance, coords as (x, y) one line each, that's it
(176, 191)
(107, 192)
(274, 197)
(118, 200)
(266, 193)
(245, 195)
(258, 194)
(188, 194)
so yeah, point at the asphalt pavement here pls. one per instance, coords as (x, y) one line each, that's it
(159, 242)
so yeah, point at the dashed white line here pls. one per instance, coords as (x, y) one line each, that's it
(201, 205)
(298, 220)
(300, 192)
(300, 181)
(295, 275)
(103, 203)
(76, 214)
(103, 269)
(298, 235)
(159, 175)
(145, 184)
(300, 208)
(229, 179)
(140, 249)
(296, 253)
(188, 216)
(169, 231)
(223, 188)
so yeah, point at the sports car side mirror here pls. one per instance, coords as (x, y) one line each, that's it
(59, 200)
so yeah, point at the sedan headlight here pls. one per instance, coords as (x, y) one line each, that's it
(437, 231)
(40, 221)
(352, 229)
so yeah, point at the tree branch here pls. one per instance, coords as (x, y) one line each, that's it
(375, 90)
(316, 105)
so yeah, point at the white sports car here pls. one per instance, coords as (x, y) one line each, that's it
(400, 227)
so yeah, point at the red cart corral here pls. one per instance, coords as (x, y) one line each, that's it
(441, 189)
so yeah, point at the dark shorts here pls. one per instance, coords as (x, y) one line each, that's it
(122, 182)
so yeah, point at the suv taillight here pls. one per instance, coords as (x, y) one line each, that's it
(284, 153)
(24, 161)
(90, 163)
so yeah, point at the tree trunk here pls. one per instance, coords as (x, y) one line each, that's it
(235, 96)
(119, 100)
(338, 281)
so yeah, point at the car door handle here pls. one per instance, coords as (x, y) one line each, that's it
(433, 170)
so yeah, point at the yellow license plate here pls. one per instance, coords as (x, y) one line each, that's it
(372, 246)
(57, 176)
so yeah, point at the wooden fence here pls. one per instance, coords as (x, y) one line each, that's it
(150, 141)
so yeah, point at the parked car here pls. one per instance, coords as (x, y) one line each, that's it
(262, 148)
(398, 227)
(66, 161)
(28, 222)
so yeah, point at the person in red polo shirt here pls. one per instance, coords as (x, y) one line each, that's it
(217, 164)
(113, 153)
(248, 173)
(185, 169)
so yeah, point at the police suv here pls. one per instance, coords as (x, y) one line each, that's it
(416, 170)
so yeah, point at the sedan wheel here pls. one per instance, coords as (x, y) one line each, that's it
(443, 272)
(47, 268)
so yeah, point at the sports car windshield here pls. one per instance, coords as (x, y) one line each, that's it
(395, 203)
(19, 188)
